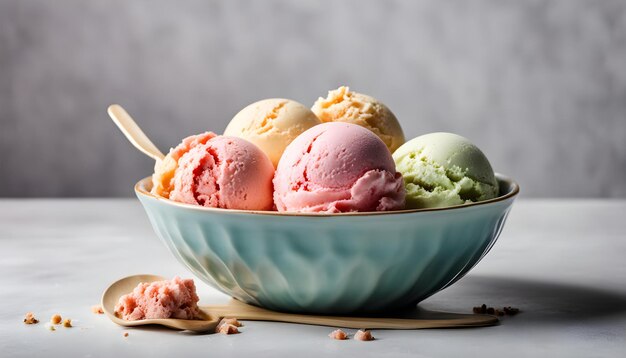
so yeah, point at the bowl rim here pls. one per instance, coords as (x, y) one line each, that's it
(140, 190)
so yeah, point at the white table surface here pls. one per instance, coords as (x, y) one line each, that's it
(562, 262)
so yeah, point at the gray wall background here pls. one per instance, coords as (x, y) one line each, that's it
(539, 85)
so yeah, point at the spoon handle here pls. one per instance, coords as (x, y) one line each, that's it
(444, 320)
(133, 133)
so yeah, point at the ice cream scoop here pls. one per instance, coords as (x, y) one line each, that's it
(337, 167)
(174, 298)
(225, 172)
(272, 124)
(444, 169)
(342, 105)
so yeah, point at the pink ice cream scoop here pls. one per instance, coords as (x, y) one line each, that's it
(337, 167)
(225, 172)
(161, 299)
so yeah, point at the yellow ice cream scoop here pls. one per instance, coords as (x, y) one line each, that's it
(343, 105)
(272, 124)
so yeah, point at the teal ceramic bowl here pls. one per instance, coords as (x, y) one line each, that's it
(329, 263)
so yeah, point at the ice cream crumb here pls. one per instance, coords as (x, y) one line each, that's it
(97, 309)
(338, 335)
(67, 323)
(30, 318)
(55, 319)
(508, 310)
(363, 335)
(222, 326)
(480, 309)
(227, 328)
(232, 321)
(125, 334)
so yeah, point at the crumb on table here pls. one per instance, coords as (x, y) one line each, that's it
(55, 319)
(338, 334)
(97, 309)
(363, 335)
(67, 323)
(483, 309)
(30, 318)
(232, 321)
(480, 309)
(125, 334)
(223, 326)
(227, 328)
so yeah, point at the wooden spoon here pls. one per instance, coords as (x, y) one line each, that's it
(133, 133)
(417, 319)
(126, 285)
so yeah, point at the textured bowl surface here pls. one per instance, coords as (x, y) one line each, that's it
(329, 264)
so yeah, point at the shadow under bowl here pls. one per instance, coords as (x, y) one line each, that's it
(329, 263)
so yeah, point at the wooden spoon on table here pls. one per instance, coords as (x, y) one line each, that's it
(212, 315)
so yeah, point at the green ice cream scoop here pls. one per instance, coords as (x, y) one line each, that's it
(444, 169)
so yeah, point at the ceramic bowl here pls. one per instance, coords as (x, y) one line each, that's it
(329, 263)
